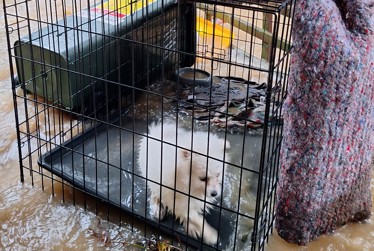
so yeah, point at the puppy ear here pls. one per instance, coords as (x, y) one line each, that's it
(185, 153)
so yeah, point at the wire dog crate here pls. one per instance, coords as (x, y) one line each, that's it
(168, 110)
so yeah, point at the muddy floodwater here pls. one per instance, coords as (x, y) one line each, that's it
(31, 218)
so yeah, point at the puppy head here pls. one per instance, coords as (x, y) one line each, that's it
(208, 178)
(206, 173)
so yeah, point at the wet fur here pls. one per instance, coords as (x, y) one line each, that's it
(188, 172)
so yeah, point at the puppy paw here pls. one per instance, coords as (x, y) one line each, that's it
(195, 230)
(158, 210)
(210, 234)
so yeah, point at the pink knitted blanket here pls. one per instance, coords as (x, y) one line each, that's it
(328, 120)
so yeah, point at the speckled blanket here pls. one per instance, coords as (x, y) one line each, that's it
(328, 120)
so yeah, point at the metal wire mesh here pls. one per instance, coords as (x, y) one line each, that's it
(169, 111)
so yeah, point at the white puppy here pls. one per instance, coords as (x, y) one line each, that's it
(188, 178)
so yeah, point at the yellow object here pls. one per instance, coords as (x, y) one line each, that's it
(123, 7)
(205, 28)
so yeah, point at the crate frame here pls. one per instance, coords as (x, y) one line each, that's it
(28, 123)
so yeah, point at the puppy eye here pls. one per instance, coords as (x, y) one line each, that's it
(203, 179)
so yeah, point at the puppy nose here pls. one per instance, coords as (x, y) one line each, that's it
(213, 193)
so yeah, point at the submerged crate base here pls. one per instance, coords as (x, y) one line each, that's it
(85, 162)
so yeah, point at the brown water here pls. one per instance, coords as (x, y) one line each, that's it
(32, 219)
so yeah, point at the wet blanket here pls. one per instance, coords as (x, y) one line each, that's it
(328, 120)
(230, 102)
